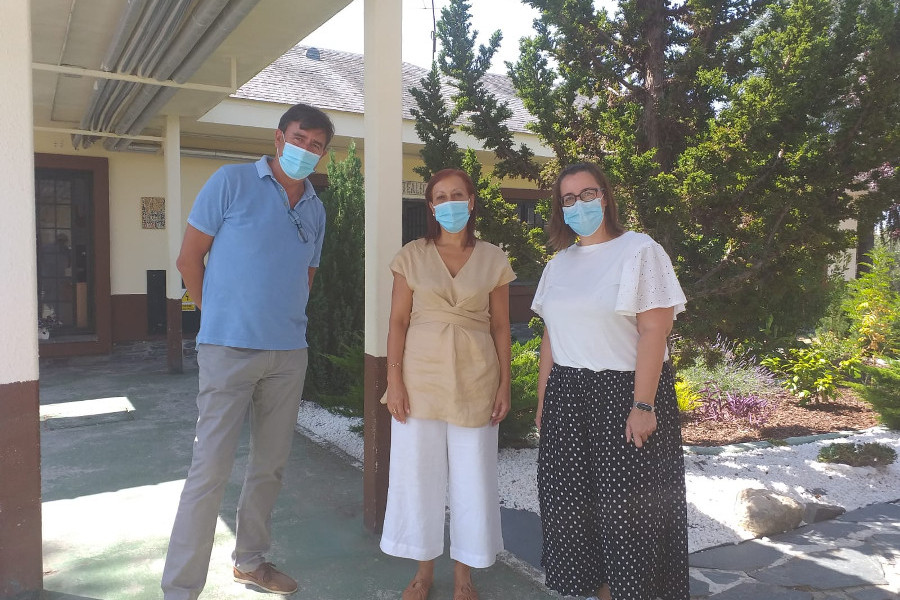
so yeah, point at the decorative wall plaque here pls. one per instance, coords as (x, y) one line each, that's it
(153, 212)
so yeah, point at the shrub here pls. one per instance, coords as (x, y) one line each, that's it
(336, 307)
(518, 429)
(842, 351)
(871, 454)
(724, 365)
(688, 397)
(873, 307)
(808, 374)
(536, 325)
(880, 387)
(350, 365)
(719, 405)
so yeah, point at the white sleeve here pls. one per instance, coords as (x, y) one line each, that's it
(537, 304)
(648, 281)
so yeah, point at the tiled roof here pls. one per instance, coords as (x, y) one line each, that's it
(334, 81)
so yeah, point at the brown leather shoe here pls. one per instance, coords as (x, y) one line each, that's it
(268, 578)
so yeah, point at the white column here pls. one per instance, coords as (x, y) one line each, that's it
(174, 220)
(18, 259)
(383, 167)
(20, 439)
(383, 164)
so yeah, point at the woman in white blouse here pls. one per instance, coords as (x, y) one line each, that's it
(610, 468)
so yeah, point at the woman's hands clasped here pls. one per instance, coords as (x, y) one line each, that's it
(398, 401)
(639, 426)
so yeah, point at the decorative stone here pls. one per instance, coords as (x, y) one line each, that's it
(815, 512)
(763, 513)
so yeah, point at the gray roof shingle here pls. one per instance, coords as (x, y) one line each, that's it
(334, 81)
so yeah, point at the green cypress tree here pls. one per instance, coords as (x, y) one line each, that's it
(434, 126)
(336, 307)
(477, 111)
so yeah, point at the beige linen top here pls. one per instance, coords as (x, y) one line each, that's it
(450, 365)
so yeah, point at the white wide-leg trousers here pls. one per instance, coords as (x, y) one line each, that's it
(435, 465)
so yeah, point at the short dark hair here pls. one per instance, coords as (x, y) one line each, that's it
(433, 228)
(561, 235)
(308, 117)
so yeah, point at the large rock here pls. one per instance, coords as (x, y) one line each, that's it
(762, 512)
(814, 512)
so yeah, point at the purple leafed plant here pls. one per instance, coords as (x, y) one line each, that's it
(718, 405)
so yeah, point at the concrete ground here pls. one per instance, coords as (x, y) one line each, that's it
(116, 445)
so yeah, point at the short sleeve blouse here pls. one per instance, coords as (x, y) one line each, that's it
(589, 297)
(450, 365)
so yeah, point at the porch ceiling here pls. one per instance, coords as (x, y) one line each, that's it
(77, 35)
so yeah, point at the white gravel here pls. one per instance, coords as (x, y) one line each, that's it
(713, 481)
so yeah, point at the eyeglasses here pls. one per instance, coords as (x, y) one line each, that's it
(585, 195)
(300, 232)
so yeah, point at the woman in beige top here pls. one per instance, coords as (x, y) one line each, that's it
(448, 354)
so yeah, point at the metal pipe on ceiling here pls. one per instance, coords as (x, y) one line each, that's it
(216, 32)
(203, 15)
(123, 31)
(137, 60)
(161, 43)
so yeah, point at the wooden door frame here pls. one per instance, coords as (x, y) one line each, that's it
(102, 339)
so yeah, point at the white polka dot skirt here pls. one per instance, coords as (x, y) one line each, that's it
(611, 512)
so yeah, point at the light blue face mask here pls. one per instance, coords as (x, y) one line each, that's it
(584, 217)
(296, 162)
(452, 215)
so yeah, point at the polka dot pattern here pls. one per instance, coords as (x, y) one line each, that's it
(611, 512)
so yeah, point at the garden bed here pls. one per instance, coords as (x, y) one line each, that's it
(845, 413)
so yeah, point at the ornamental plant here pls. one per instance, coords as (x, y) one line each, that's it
(718, 405)
(880, 387)
(870, 454)
(873, 306)
(518, 429)
(807, 372)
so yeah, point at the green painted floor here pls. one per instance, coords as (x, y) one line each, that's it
(112, 476)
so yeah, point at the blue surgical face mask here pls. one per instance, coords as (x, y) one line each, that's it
(584, 217)
(296, 162)
(452, 215)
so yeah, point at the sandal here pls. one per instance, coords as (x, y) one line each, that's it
(417, 590)
(465, 592)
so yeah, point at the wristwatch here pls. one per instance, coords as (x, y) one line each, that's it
(644, 407)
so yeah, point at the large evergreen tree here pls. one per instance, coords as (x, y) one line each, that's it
(471, 107)
(733, 131)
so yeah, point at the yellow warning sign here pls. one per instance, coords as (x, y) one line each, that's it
(187, 305)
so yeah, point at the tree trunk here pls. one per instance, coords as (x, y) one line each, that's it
(654, 27)
(865, 242)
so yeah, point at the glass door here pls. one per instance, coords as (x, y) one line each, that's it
(65, 251)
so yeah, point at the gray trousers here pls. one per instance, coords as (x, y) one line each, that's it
(233, 382)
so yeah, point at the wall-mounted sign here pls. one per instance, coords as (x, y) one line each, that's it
(187, 304)
(413, 189)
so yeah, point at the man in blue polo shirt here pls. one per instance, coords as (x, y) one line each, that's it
(260, 228)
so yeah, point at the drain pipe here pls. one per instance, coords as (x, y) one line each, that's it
(229, 19)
